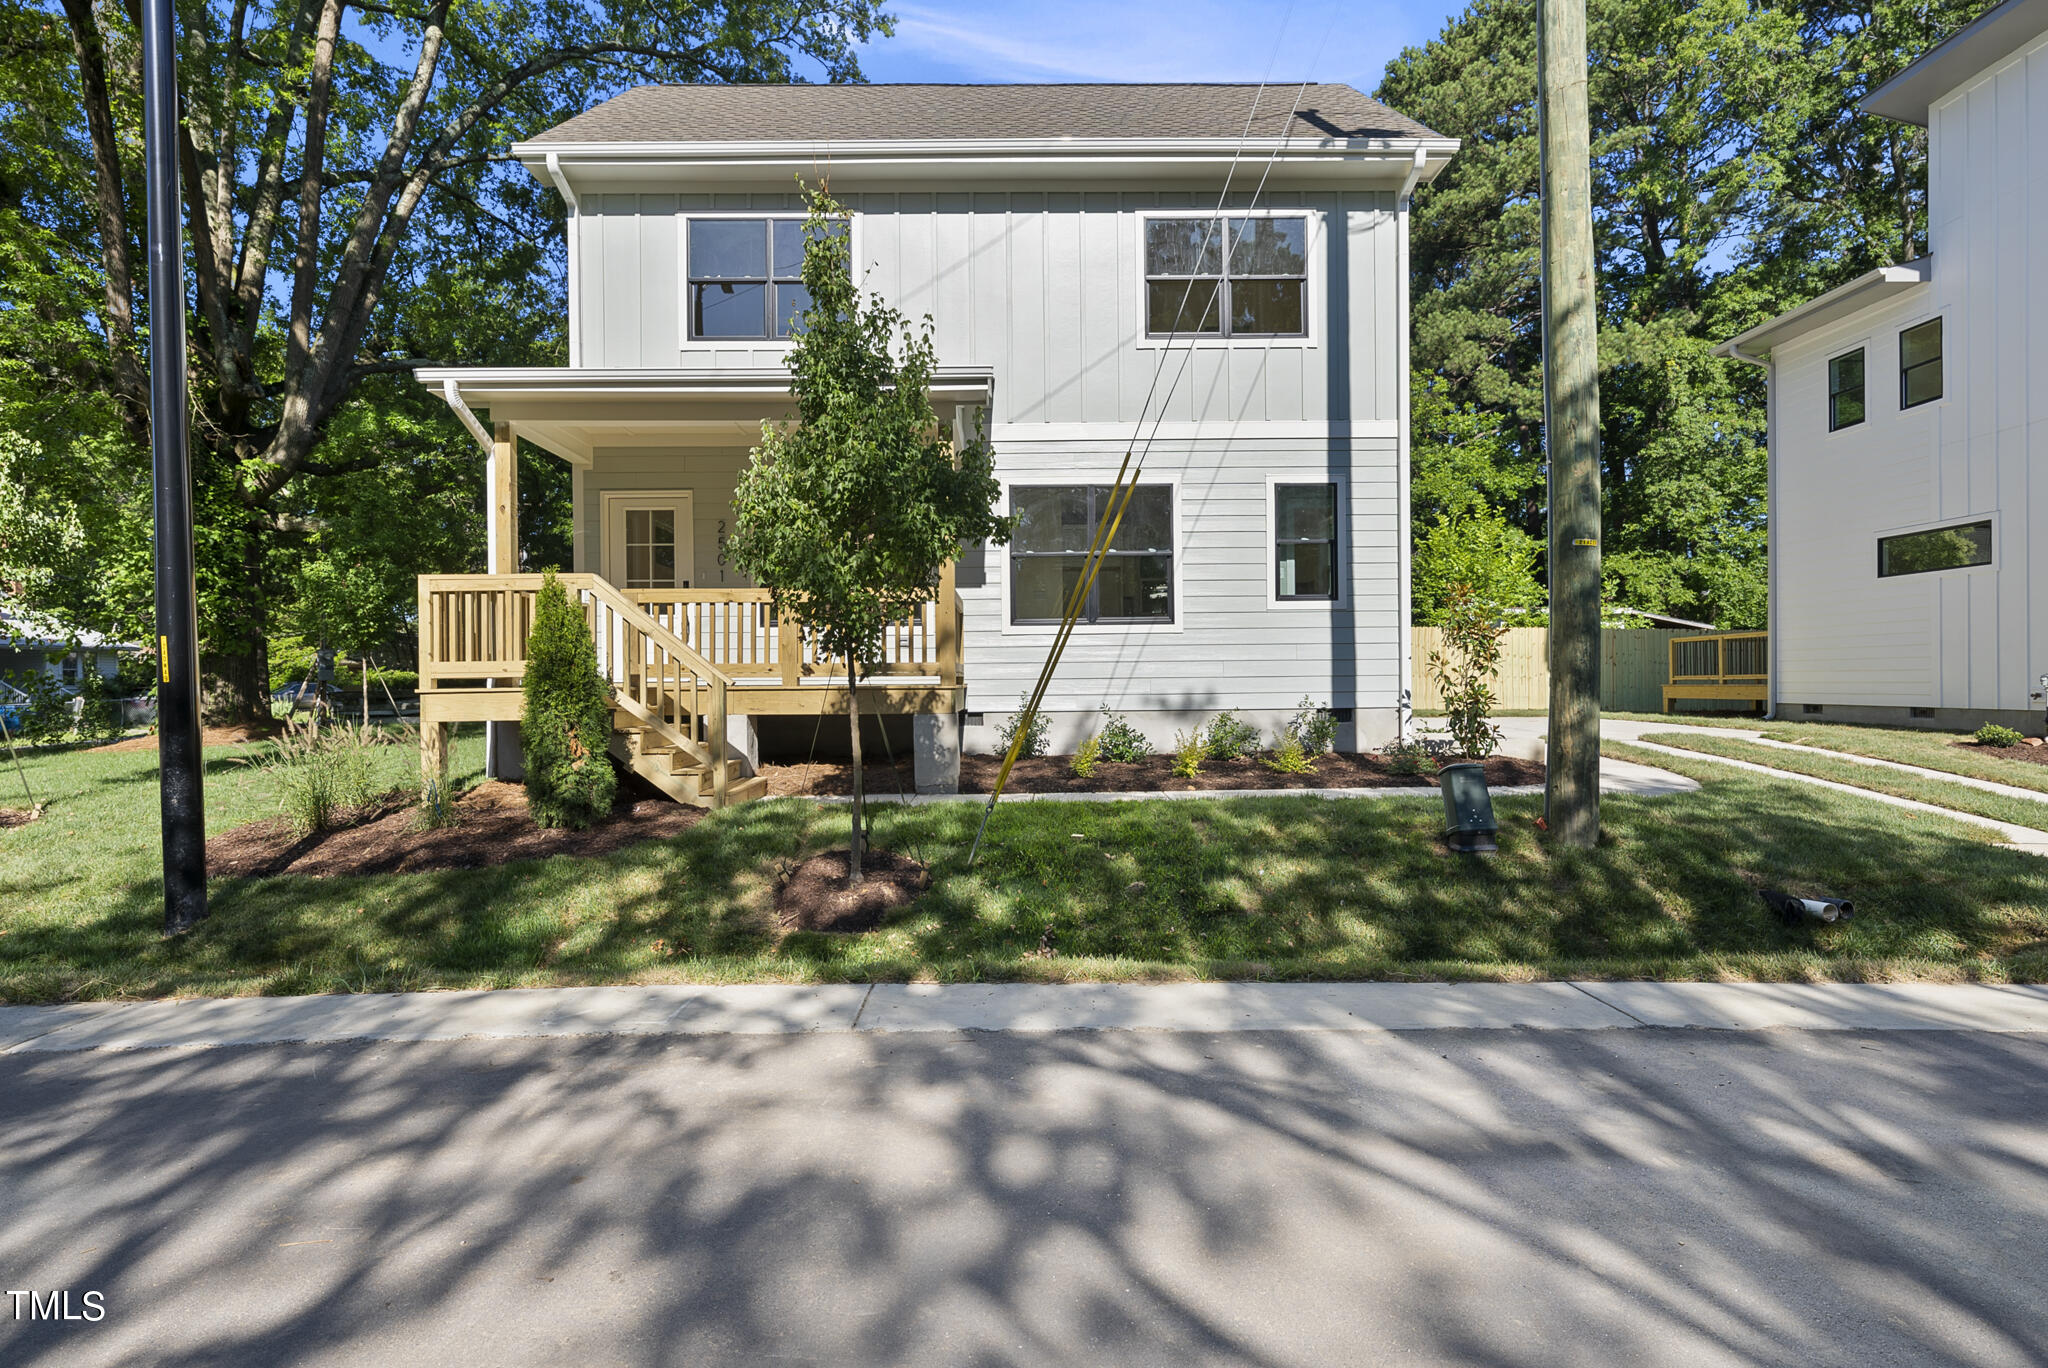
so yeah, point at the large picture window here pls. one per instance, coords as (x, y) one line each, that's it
(1920, 364)
(1056, 524)
(746, 277)
(1938, 548)
(1845, 390)
(1237, 276)
(1305, 542)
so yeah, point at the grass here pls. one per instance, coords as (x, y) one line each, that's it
(1278, 888)
(1999, 807)
(1929, 750)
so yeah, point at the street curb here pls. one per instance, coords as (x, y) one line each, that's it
(900, 1008)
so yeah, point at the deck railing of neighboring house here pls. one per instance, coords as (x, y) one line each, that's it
(1714, 665)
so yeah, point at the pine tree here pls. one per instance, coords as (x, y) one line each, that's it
(567, 721)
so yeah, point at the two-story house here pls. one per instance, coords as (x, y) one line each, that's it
(1909, 422)
(1053, 234)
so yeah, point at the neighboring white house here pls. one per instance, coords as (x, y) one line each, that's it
(1909, 422)
(1046, 230)
(31, 643)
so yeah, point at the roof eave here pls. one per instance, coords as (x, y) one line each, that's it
(1978, 46)
(1865, 291)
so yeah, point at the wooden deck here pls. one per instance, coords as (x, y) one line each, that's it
(681, 664)
(1720, 665)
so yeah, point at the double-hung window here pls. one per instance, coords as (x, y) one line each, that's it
(1305, 542)
(1235, 276)
(746, 277)
(1845, 390)
(1920, 364)
(1056, 524)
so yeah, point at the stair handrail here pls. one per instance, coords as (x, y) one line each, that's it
(711, 751)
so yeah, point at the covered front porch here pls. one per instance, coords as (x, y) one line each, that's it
(694, 654)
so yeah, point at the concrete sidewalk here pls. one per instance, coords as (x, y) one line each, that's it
(894, 1008)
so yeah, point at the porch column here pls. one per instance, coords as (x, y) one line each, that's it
(502, 758)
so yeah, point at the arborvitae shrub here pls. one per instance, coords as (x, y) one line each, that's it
(567, 723)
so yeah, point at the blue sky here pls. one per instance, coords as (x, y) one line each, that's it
(1150, 40)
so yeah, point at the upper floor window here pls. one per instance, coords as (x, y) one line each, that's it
(1237, 276)
(1920, 364)
(1938, 548)
(1056, 524)
(746, 277)
(1845, 390)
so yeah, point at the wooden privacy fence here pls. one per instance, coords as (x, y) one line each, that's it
(1633, 665)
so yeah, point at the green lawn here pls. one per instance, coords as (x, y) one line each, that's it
(1281, 887)
(1929, 750)
(2025, 812)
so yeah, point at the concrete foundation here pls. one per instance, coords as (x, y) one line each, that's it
(1941, 719)
(935, 752)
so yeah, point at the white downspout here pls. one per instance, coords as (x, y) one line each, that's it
(575, 250)
(1769, 367)
(1404, 692)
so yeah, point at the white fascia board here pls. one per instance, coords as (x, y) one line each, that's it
(475, 383)
(1866, 291)
(1390, 159)
(1994, 36)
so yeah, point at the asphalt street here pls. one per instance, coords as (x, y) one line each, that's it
(1496, 1197)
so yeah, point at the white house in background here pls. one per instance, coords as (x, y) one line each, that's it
(31, 643)
(1909, 421)
(1048, 231)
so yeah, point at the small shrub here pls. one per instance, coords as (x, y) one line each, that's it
(1231, 738)
(321, 775)
(436, 807)
(1189, 748)
(1034, 738)
(99, 711)
(566, 723)
(1408, 757)
(1464, 670)
(1991, 734)
(46, 716)
(1313, 727)
(1290, 757)
(1120, 742)
(1087, 758)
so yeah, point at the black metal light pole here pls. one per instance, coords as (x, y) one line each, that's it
(177, 614)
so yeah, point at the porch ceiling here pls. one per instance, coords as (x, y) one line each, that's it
(572, 411)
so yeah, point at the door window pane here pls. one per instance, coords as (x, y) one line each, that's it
(651, 548)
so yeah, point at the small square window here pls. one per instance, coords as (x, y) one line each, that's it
(1845, 390)
(1920, 364)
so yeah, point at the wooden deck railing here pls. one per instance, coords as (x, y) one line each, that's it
(1720, 665)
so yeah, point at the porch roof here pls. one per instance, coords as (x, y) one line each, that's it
(571, 411)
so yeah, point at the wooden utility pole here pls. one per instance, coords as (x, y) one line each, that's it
(1571, 424)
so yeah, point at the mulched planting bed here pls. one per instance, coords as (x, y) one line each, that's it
(15, 817)
(1054, 774)
(815, 897)
(491, 827)
(2032, 755)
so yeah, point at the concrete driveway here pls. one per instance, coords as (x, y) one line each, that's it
(1486, 1197)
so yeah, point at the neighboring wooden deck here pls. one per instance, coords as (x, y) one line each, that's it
(681, 663)
(1720, 665)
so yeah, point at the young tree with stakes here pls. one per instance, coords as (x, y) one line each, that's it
(847, 515)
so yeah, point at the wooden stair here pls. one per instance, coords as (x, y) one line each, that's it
(682, 776)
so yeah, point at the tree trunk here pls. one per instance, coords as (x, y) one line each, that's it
(853, 850)
(238, 670)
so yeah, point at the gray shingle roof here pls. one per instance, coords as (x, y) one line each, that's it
(880, 113)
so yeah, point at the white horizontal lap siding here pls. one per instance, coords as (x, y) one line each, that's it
(1043, 287)
(1228, 647)
(710, 474)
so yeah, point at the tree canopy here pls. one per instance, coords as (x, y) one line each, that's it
(350, 213)
(1733, 178)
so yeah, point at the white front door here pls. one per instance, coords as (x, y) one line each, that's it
(648, 540)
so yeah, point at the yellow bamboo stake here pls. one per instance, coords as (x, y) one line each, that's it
(1120, 495)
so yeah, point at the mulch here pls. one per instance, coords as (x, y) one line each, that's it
(238, 735)
(814, 897)
(491, 827)
(2032, 755)
(16, 817)
(1055, 774)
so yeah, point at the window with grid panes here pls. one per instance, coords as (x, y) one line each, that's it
(746, 277)
(1920, 364)
(1845, 390)
(1056, 524)
(1305, 541)
(1235, 276)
